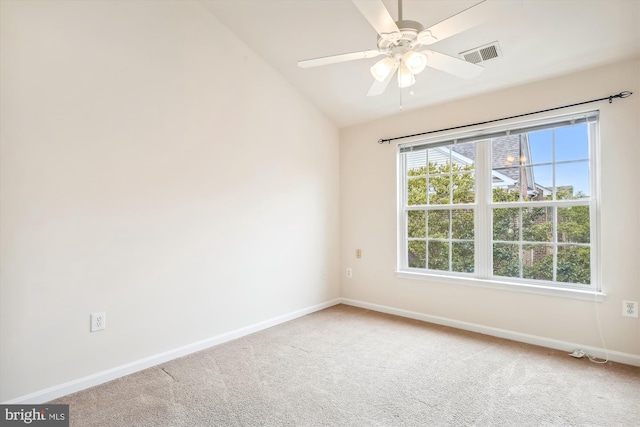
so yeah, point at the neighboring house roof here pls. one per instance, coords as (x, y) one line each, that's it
(506, 154)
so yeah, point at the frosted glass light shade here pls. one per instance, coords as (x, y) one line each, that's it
(405, 76)
(415, 61)
(381, 69)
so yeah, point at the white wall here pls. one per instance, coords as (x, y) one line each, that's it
(152, 167)
(368, 216)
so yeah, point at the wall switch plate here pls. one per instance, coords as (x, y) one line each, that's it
(630, 309)
(98, 321)
(349, 273)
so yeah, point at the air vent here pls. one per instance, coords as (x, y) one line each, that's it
(482, 53)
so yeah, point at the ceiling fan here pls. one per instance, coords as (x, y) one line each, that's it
(404, 45)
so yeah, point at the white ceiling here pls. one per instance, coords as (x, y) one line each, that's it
(538, 39)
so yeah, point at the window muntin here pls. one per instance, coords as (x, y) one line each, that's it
(536, 220)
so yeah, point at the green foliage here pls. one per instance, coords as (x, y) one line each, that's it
(438, 255)
(501, 194)
(537, 224)
(573, 224)
(574, 264)
(443, 239)
(540, 262)
(442, 179)
(447, 184)
(462, 257)
(505, 260)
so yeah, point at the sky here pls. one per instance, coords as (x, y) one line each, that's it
(571, 145)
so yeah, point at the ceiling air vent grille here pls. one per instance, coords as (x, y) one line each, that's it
(482, 53)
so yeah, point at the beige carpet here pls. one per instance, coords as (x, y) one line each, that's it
(346, 366)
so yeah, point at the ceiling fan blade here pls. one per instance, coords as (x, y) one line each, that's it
(379, 86)
(462, 21)
(379, 18)
(307, 63)
(452, 65)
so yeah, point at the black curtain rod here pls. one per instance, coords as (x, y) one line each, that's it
(624, 94)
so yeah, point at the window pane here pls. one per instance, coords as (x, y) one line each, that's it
(573, 225)
(506, 262)
(462, 224)
(416, 191)
(572, 180)
(439, 193)
(462, 257)
(572, 143)
(537, 183)
(527, 185)
(541, 146)
(537, 224)
(416, 253)
(505, 182)
(506, 224)
(542, 178)
(439, 160)
(537, 262)
(464, 155)
(507, 151)
(416, 163)
(463, 188)
(438, 224)
(439, 255)
(574, 264)
(416, 224)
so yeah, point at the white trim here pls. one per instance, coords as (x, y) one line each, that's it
(98, 378)
(614, 356)
(584, 295)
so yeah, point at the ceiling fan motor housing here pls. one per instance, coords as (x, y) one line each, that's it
(408, 35)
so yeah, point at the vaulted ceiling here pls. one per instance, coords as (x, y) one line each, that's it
(537, 39)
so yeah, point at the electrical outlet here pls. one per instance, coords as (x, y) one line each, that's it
(98, 321)
(349, 273)
(358, 253)
(630, 309)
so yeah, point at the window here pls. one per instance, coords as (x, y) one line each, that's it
(505, 205)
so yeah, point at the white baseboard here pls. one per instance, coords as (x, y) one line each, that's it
(614, 356)
(93, 380)
(80, 384)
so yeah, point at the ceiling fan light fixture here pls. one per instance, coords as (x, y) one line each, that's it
(381, 69)
(416, 61)
(405, 76)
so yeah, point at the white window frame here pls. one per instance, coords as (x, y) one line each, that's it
(484, 204)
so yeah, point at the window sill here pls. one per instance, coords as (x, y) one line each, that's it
(585, 295)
